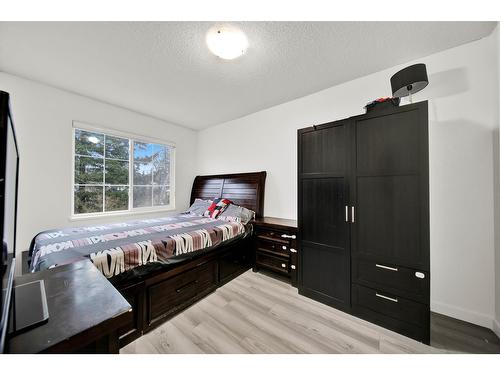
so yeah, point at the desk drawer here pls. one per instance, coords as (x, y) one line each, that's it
(407, 282)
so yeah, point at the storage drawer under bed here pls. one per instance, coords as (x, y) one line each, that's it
(168, 296)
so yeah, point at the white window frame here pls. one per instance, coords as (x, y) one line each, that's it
(132, 138)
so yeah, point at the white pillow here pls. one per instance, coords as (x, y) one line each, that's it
(237, 213)
(199, 206)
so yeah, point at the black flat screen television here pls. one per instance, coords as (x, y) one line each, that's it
(9, 170)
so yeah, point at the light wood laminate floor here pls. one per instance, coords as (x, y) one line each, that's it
(255, 313)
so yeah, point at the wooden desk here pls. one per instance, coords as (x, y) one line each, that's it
(85, 310)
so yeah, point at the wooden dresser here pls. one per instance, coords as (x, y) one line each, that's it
(275, 246)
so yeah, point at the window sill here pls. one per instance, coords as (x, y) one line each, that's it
(120, 213)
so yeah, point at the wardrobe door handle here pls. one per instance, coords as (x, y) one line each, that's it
(293, 267)
(293, 250)
(386, 267)
(352, 214)
(346, 214)
(387, 298)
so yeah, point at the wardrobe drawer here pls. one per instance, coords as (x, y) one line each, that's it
(272, 262)
(408, 282)
(171, 293)
(391, 305)
(277, 248)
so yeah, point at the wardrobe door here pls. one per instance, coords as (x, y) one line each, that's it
(391, 188)
(323, 189)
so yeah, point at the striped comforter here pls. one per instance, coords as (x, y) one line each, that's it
(117, 248)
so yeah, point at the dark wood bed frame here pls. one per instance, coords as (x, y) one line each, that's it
(161, 294)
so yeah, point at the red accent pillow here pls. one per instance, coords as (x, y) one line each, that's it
(217, 207)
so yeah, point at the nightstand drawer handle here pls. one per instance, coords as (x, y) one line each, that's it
(283, 265)
(387, 298)
(283, 247)
(293, 236)
(386, 267)
(293, 267)
(293, 250)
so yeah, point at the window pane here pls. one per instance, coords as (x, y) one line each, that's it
(89, 143)
(161, 195)
(143, 151)
(116, 148)
(88, 199)
(142, 196)
(88, 170)
(116, 172)
(161, 165)
(143, 173)
(116, 198)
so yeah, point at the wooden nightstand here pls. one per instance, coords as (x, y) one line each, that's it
(275, 246)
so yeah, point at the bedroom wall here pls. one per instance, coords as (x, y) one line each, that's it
(496, 161)
(43, 118)
(463, 113)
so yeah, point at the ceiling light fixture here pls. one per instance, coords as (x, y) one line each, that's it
(226, 42)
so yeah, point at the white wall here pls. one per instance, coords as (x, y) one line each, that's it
(43, 120)
(463, 118)
(496, 163)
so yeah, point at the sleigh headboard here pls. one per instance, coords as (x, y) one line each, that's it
(244, 189)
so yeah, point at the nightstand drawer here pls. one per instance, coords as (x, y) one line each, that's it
(272, 262)
(273, 247)
(282, 237)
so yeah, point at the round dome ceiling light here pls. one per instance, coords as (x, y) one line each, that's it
(226, 42)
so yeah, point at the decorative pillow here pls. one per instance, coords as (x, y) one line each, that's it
(217, 207)
(237, 213)
(199, 206)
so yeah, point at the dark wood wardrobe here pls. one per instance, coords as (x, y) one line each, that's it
(363, 217)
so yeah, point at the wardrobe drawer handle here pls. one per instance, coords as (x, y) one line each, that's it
(292, 266)
(283, 265)
(387, 298)
(386, 267)
(293, 236)
(293, 250)
(283, 247)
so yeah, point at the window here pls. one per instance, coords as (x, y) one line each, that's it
(115, 173)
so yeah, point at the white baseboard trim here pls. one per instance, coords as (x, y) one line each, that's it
(470, 316)
(496, 327)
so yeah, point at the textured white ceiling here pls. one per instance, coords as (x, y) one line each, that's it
(165, 70)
